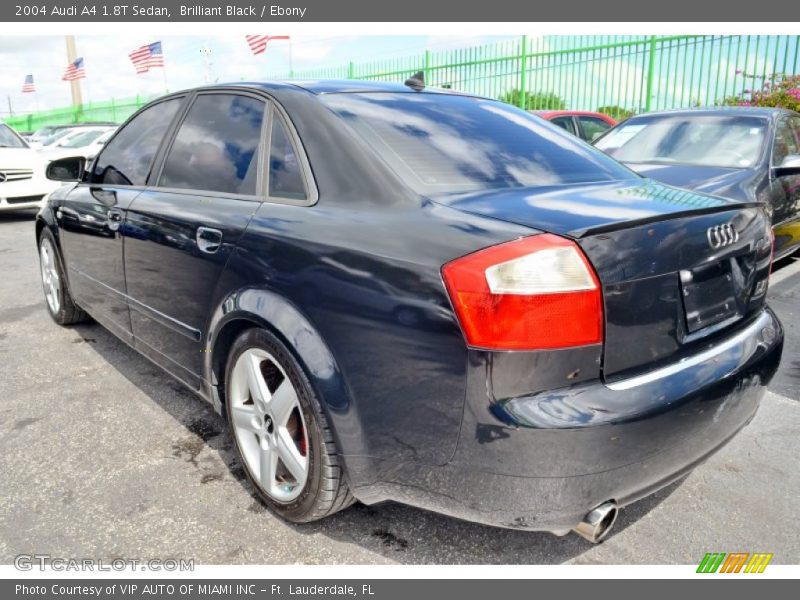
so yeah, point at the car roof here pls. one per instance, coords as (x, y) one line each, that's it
(750, 111)
(332, 86)
(565, 112)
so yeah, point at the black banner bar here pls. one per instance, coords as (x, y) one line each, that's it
(406, 11)
(383, 589)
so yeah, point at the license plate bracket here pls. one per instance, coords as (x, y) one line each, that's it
(709, 295)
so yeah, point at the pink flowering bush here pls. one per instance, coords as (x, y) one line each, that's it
(779, 90)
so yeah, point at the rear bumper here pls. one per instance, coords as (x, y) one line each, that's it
(543, 461)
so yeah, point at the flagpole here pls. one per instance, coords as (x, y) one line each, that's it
(75, 86)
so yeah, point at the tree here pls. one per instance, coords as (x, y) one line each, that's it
(535, 100)
(778, 90)
(616, 112)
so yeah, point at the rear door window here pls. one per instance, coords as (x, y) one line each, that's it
(126, 160)
(216, 148)
(285, 172)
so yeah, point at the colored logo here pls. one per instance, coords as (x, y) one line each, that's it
(735, 562)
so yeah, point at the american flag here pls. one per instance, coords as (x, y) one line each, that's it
(258, 43)
(147, 57)
(28, 85)
(74, 71)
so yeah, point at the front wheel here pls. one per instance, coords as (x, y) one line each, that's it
(60, 305)
(281, 434)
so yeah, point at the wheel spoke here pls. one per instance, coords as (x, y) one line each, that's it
(268, 467)
(255, 381)
(290, 456)
(282, 402)
(250, 446)
(244, 417)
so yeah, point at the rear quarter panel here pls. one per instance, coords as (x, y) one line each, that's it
(358, 296)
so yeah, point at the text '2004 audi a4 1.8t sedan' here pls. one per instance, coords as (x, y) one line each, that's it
(396, 293)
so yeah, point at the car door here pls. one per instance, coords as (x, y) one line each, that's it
(785, 185)
(181, 231)
(592, 127)
(91, 215)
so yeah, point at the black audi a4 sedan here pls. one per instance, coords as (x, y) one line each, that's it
(397, 293)
(743, 153)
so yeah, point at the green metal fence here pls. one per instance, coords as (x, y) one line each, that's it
(619, 74)
(114, 110)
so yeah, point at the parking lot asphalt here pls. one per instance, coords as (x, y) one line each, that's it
(102, 455)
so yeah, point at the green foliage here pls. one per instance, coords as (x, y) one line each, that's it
(535, 100)
(778, 90)
(616, 112)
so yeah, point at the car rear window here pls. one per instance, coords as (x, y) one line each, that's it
(728, 141)
(440, 143)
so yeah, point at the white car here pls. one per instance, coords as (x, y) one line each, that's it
(85, 142)
(51, 139)
(22, 173)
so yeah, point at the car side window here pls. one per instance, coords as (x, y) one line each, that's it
(126, 159)
(593, 127)
(565, 123)
(285, 172)
(216, 148)
(795, 123)
(786, 141)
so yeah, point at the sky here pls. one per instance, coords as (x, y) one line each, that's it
(109, 72)
(691, 70)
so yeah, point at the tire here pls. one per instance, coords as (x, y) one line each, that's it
(60, 305)
(262, 426)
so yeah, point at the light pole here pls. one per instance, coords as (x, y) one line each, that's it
(205, 51)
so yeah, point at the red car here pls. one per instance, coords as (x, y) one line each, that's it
(585, 124)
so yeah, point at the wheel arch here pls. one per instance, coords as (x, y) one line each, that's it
(248, 308)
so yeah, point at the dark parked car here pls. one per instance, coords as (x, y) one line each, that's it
(586, 125)
(747, 154)
(419, 296)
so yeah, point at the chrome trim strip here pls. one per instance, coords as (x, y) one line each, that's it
(692, 361)
(145, 310)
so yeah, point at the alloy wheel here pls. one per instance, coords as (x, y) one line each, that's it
(269, 425)
(51, 282)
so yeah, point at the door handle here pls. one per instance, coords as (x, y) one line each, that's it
(208, 240)
(114, 217)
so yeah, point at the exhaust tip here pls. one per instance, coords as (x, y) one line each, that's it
(597, 522)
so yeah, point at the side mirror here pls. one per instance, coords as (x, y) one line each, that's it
(789, 166)
(67, 169)
(790, 162)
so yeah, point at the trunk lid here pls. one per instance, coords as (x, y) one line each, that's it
(677, 267)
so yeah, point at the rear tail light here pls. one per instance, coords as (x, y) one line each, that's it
(538, 292)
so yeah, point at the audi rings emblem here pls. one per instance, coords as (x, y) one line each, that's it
(720, 236)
